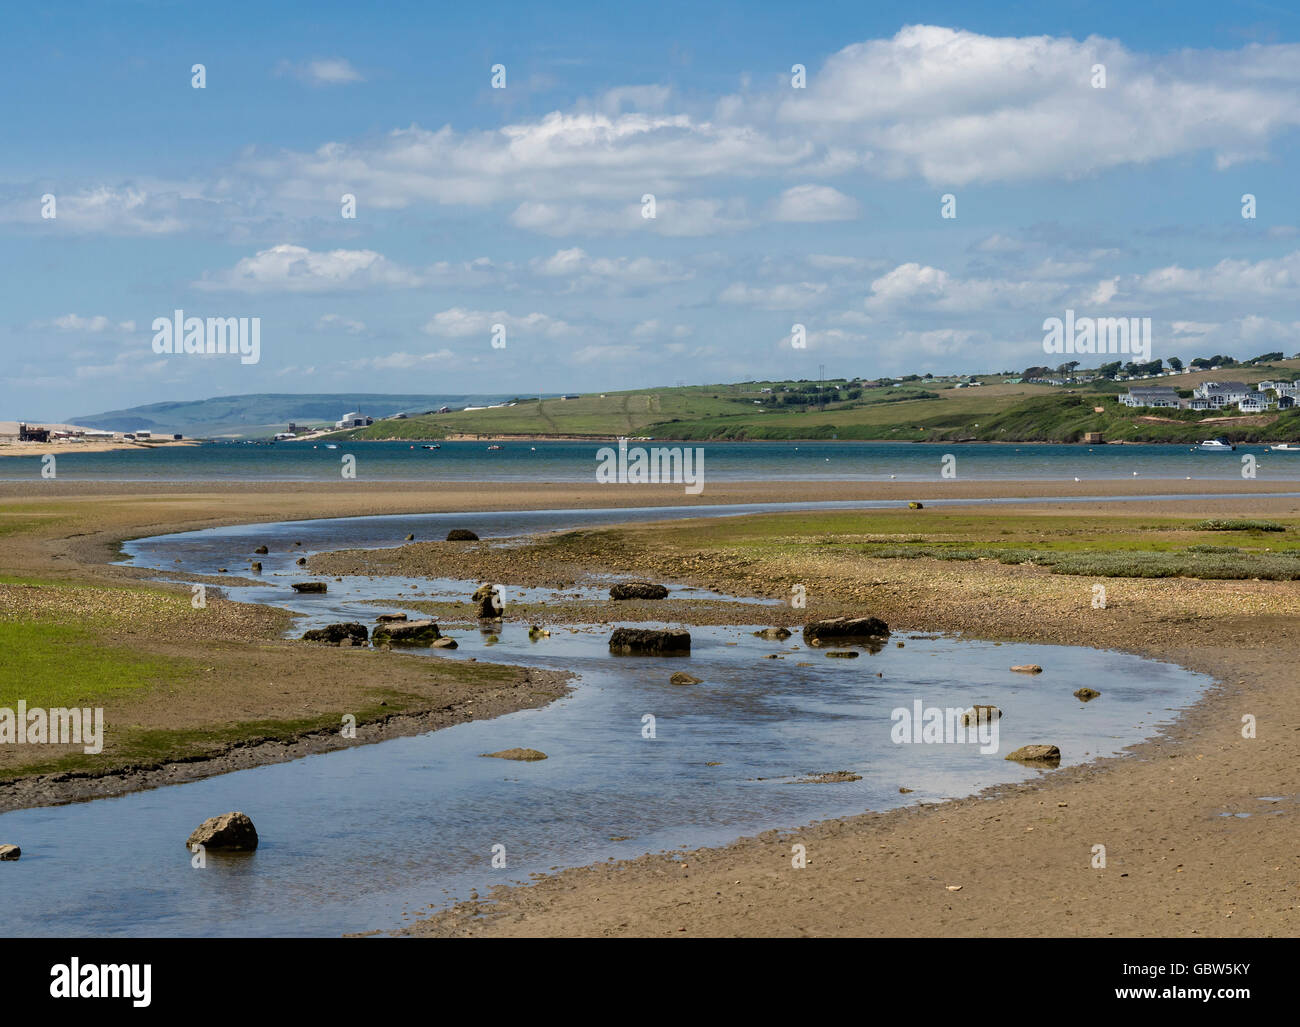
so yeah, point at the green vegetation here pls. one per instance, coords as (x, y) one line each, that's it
(1240, 524)
(65, 665)
(910, 409)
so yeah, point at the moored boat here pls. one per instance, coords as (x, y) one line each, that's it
(1219, 445)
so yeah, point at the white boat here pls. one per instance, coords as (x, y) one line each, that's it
(1216, 446)
(1285, 447)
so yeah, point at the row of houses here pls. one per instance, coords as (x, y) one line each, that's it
(1218, 396)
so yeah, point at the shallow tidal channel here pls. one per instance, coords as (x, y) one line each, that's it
(362, 838)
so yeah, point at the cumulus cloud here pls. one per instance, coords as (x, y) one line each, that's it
(288, 268)
(813, 203)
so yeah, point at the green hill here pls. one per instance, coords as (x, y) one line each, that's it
(914, 410)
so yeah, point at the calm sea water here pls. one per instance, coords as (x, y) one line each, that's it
(735, 461)
(360, 838)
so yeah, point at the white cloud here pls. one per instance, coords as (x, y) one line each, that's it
(813, 203)
(459, 323)
(97, 324)
(323, 71)
(783, 296)
(288, 268)
(336, 322)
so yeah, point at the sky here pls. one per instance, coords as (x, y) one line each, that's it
(574, 197)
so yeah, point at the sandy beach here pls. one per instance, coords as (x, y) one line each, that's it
(1182, 861)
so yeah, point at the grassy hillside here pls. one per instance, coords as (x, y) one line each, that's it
(928, 410)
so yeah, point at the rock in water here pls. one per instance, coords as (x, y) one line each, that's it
(775, 634)
(682, 678)
(339, 634)
(261, 550)
(231, 831)
(487, 602)
(10, 852)
(415, 632)
(390, 618)
(650, 642)
(1086, 694)
(256, 566)
(446, 643)
(1028, 668)
(914, 505)
(844, 654)
(638, 590)
(980, 714)
(461, 535)
(840, 628)
(1036, 754)
(302, 561)
(526, 755)
(309, 586)
(410, 538)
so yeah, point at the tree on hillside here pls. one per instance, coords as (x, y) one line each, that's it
(1175, 363)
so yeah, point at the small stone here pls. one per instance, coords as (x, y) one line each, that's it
(1086, 694)
(9, 852)
(843, 654)
(775, 634)
(525, 755)
(1028, 668)
(261, 550)
(461, 535)
(682, 678)
(410, 538)
(445, 643)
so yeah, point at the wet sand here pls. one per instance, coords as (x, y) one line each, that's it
(1176, 865)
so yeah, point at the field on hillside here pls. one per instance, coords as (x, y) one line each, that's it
(921, 410)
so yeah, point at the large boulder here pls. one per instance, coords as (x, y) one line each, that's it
(339, 634)
(232, 831)
(523, 755)
(650, 642)
(1036, 754)
(487, 602)
(309, 586)
(839, 629)
(412, 632)
(638, 590)
(461, 535)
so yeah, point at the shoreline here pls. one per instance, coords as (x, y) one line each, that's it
(979, 842)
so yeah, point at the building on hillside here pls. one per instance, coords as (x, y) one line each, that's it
(356, 419)
(1253, 405)
(1222, 394)
(1151, 396)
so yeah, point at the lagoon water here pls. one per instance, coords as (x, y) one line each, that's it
(723, 461)
(358, 839)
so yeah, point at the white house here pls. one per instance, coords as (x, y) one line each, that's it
(1222, 394)
(354, 420)
(1151, 396)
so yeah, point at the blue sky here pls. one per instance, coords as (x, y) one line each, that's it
(522, 206)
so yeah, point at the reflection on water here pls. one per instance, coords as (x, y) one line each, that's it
(352, 840)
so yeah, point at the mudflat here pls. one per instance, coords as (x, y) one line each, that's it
(1181, 859)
